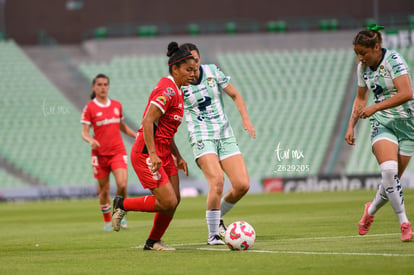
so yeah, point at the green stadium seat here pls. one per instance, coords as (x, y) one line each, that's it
(231, 27)
(193, 29)
(100, 32)
(276, 26)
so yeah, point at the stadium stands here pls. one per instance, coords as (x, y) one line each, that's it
(293, 97)
(38, 124)
(7, 180)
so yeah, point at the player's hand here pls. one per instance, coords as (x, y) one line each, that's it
(349, 136)
(248, 126)
(182, 165)
(367, 111)
(94, 144)
(154, 162)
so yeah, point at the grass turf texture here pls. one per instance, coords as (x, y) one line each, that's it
(297, 233)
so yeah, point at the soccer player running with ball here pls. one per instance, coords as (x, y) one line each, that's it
(104, 115)
(384, 73)
(213, 142)
(154, 150)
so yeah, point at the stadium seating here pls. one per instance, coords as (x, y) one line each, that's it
(8, 180)
(40, 129)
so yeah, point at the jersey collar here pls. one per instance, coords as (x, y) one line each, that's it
(108, 103)
(172, 79)
(384, 51)
(200, 77)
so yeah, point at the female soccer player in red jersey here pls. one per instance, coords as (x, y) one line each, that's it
(108, 150)
(154, 150)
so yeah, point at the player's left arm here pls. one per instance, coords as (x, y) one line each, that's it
(127, 130)
(180, 162)
(241, 106)
(404, 93)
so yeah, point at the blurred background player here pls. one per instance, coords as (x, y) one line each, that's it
(384, 72)
(214, 144)
(154, 150)
(108, 150)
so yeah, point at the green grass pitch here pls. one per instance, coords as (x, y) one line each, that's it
(297, 233)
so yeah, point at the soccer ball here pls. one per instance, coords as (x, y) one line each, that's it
(240, 236)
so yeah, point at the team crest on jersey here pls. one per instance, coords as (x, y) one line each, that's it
(161, 99)
(382, 71)
(170, 92)
(99, 114)
(116, 111)
(200, 145)
(211, 82)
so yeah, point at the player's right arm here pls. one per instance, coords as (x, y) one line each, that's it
(87, 137)
(151, 116)
(360, 102)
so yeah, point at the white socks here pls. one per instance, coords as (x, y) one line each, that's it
(213, 222)
(213, 217)
(390, 189)
(225, 207)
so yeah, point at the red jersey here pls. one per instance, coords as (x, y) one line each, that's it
(170, 100)
(106, 124)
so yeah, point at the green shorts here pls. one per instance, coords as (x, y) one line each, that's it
(223, 148)
(398, 131)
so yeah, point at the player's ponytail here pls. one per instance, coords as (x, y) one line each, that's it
(177, 55)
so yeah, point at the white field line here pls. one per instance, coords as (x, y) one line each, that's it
(188, 246)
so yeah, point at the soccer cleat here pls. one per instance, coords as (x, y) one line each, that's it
(214, 240)
(157, 246)
(406, 232)
(222, 229)
(107, 226)
(118, 213)
(124, 223)
(366, 221)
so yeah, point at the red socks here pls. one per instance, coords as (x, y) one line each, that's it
(106, 212)
(161, 223)
(142, 204)
(147, 204)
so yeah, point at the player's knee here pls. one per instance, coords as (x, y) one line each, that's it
(389, 174)
(169, 204)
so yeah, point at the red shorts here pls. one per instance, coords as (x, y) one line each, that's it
(141, 164)
(103, 165)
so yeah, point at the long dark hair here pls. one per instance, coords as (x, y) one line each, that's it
(177, 55)
(93, 95)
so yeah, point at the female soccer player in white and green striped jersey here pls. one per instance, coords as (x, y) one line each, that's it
(385, 73)
(213, 142)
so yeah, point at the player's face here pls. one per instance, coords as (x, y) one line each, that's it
(368, 56)
(101, 87)
(198, 62)
(185, 73)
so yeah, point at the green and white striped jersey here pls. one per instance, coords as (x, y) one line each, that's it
(204, 108)
(380, 83)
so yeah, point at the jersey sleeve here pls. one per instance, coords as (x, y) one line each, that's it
(86, 116)
(398, 66)
(162, 98)
(360, 77)
(222, 79)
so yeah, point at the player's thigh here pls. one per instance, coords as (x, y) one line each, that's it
(235, 169)
(384, 150)
(211, 168)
